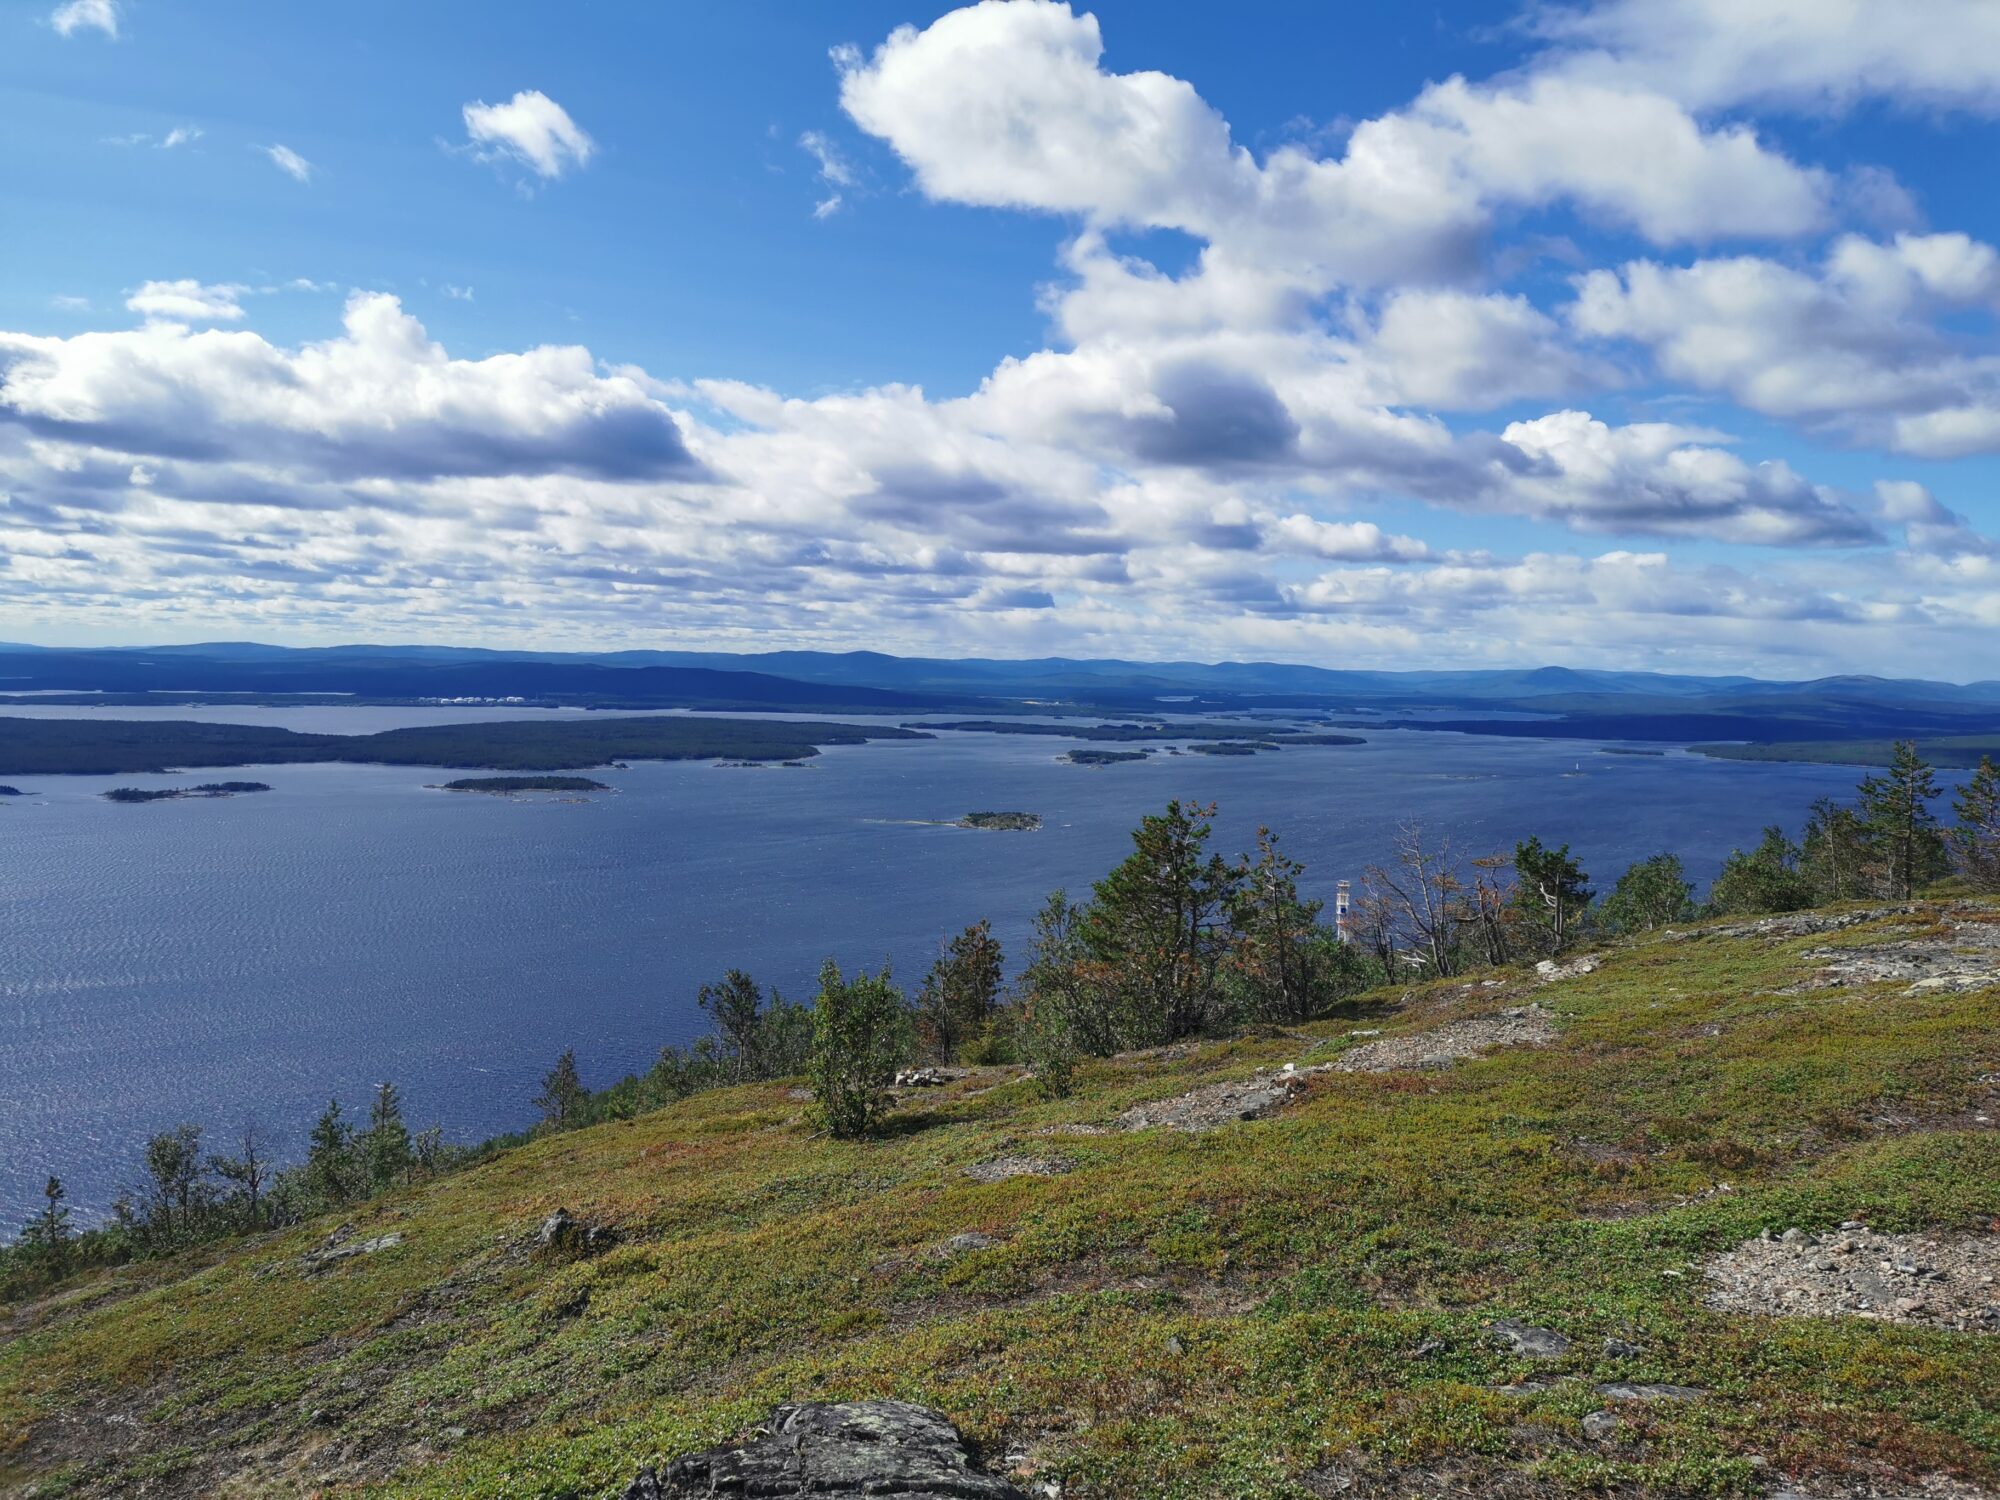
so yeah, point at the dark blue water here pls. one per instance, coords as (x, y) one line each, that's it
(218, 960)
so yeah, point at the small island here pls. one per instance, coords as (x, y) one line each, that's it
(501, 786)
(1232, 747)
(1004, 822)
(1100, 757)
(179, 793)
(11, 791)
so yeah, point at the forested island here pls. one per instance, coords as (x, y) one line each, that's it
(1268, 736)
(180, 793)
(1101, 757)
(11, 791)
(1003, 822)
(1953, 752)
(92, 747)
(504, 785)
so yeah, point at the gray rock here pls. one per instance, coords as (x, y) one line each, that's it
(1600, 1425)
(960, 1244)
(1617, 1348)
(1625, 1390)
(562, 1233)
(888, 1450)
(1524, 1338)
(338, 1248)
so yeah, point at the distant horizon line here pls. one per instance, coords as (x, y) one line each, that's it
(1132, 661)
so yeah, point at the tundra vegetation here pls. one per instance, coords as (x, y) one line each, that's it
(1275, 1307)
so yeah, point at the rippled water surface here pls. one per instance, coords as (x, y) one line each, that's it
(217, 960)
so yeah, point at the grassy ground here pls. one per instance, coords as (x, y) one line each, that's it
(1228, 1314)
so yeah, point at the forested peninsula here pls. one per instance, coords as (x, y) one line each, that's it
(96, 747)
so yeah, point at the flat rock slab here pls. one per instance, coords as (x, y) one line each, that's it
(1525, 1338)
(1626, 1390)
(1521, 1026)
(1966, 956)
(888, 1450)
(1216, 1104)
(1795, 924)
(1000, 1168)
(1938, 1281)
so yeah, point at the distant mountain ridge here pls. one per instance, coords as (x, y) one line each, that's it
(1568, 702)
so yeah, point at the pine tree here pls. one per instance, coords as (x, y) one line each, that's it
(1903, 836)
(563, 1095)
(1554, 892)
(957, 999)
(1160, 924)
(47, 1235)
(1284, 965)
(386, 1153)
(332, 1171)
(1976, 839)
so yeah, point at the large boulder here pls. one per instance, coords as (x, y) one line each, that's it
(887, 1450)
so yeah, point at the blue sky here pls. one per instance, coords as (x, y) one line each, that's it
(1653, 334)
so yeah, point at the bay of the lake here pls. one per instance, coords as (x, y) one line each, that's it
(250, 957)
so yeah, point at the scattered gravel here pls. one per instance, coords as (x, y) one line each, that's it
(1521, 1026)
(1217, 1104)
(1939, 1281)
(1000, 1168)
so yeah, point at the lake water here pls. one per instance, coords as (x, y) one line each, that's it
(248, 957)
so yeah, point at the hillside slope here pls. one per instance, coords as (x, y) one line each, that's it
(1313, 1302)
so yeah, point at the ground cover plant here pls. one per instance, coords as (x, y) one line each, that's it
(1284, 1306)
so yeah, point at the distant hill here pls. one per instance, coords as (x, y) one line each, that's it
(1566, 702)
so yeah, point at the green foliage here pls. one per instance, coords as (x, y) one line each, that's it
(1834, 855)
(1159, 926)
(1185, 1316)
(1903, 834)
(108, 746)
(563, 1095)
(1975, 841)
(333, 1172)
(860, 1035)
(46, 1238)
(1767, 879)
(956, 1002)
(1283, 966)
(1551, 895)
(387, 1154)
(1651, 894)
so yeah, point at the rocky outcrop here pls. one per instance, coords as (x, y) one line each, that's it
(888, 1450)
(341, 1246)
(1520, 1026)
(1217, 1104)
(563, 1235)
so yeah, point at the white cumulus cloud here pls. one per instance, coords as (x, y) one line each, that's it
(530, 129)
(86, 15)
